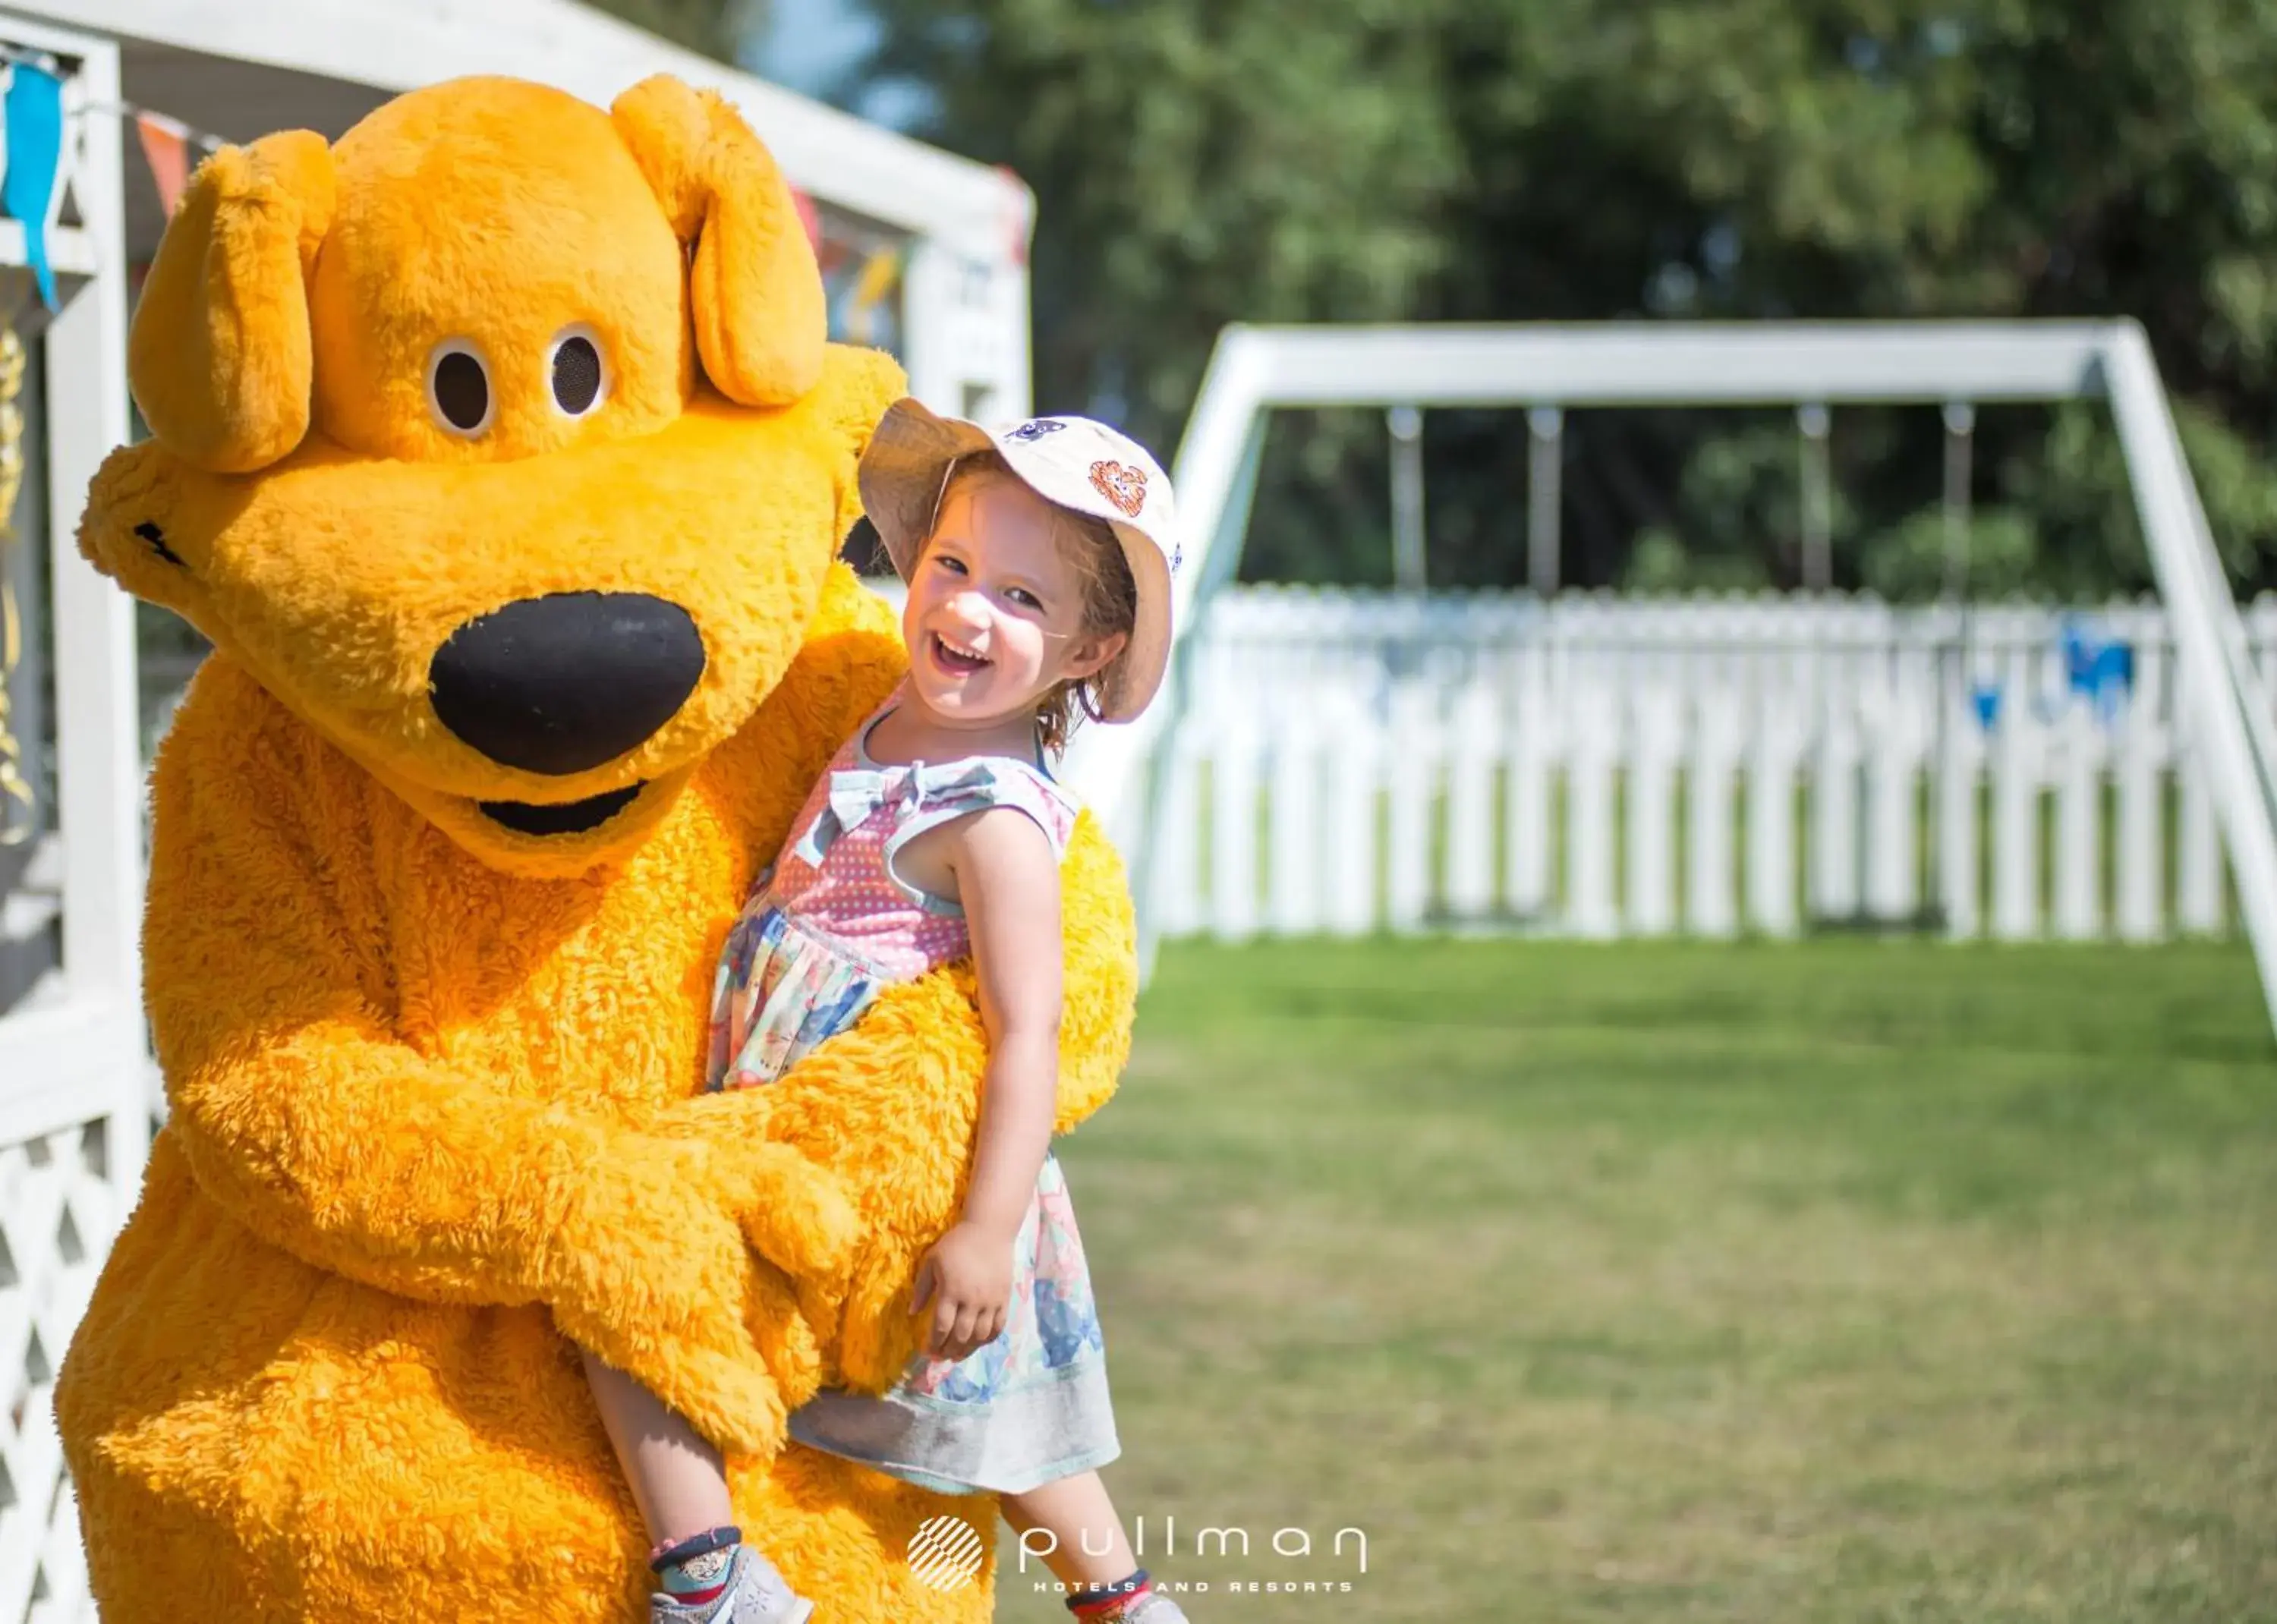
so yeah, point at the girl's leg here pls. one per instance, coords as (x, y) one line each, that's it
(676, 1478)
(1088, 1550)
(682, 1489)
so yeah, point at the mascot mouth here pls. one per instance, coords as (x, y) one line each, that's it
(573, 817)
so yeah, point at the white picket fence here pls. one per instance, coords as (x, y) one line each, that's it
(1603, 767)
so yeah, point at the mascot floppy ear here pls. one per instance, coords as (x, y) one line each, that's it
(760, 322)
(220, 354)
(857, 386)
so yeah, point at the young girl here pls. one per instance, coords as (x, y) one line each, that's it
(1039, 568)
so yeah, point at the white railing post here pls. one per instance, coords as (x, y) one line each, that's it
(2139, 845)
(1293, 864)
(1412, 775)
(2197, 849)
(2078, 913)
(1710, 864)
(1590, 832)
(1898, 707)
(1655, 741)
(1354, 804)
(1772, 771)
(1473, 751)
(1834, 813)
(1959, 858)
(1533, 735)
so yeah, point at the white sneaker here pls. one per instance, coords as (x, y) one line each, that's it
(1156, 1608)
(756, 1594)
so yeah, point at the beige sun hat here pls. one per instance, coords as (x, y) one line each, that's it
(1073, 461)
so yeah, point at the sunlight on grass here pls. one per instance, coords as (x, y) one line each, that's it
(1847, 1281)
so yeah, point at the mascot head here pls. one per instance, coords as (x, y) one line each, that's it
(501, 442)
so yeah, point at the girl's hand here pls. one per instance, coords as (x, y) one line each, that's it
(968, 1278)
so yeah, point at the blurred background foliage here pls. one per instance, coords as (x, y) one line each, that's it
(1201, 162)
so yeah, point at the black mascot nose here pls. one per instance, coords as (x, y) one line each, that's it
(559, 684)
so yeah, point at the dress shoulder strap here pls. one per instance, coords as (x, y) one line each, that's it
(923, 795)
(988, 781)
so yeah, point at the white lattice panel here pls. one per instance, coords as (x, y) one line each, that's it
(58, 1211)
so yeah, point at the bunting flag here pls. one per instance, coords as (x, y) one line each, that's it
(1019, 226)
(166, 144)
(34, 119)
(872, 284)
(809, 216)
(36, 116)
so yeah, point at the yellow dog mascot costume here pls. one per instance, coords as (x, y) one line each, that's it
(499, 452)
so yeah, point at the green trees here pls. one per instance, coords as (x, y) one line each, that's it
(1203, 161)
(713, 27)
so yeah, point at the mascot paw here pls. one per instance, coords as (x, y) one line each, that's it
(796, 1216)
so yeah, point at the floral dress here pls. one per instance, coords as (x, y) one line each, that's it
(829, 926)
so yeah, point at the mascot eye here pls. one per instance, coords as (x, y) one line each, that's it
(580, 382)
(459, 388)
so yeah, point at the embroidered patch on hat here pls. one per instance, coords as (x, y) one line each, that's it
(1036, 429)
(1126, 488)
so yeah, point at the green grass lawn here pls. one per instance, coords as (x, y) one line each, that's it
(1846, 1281)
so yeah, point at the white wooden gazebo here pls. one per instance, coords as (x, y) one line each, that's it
(76, 1089)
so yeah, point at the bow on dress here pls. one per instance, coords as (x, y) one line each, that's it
(858, 794)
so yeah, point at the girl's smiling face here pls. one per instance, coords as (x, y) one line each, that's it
(993, 619)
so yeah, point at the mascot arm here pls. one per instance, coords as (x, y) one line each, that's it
(305, 1117)
(892, 1105)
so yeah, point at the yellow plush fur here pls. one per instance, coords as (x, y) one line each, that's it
(435, 1085)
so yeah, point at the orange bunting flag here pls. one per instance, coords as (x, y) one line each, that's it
(167, 146)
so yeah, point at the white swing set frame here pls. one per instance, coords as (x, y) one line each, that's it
(1548, 368)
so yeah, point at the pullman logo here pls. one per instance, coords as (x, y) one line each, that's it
(946, 1553)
